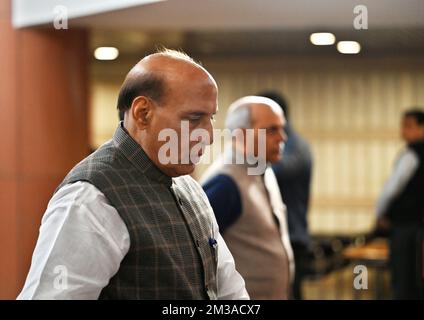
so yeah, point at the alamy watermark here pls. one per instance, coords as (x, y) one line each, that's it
(360, 22)
(60, 282)
(179, 148)
(360, 281)
(60, 20)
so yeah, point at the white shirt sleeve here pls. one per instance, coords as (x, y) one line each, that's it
(81, 244)
(231, 285)
(404, 170)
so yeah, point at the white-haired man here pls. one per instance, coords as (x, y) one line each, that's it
(247, 204)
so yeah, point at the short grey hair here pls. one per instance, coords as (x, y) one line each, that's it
(239, 112)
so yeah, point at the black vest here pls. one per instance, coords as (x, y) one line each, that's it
(408, 206)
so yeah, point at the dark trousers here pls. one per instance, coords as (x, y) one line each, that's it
(300, 253)
(406, 261)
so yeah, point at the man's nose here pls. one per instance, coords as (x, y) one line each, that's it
(209, 129)
(283, 135)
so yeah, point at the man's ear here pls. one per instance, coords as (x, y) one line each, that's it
(141, 110)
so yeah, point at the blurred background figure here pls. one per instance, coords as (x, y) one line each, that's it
(293, 172)
(401, 208)
(249, 210)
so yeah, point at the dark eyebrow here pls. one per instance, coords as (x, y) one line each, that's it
(197, 113)
(275, 127)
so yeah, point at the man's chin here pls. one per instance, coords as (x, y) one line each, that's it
(184, 169)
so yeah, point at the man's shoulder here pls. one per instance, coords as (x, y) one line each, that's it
(104, 156)
(417, 148)
(78, 193)
(300, 142)
(98, 168)
(222, 181)
(406, 155)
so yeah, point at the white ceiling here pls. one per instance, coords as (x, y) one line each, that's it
(204, 15)
(233, 26)
(26, 13)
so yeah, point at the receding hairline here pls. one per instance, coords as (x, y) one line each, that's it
(173, 54)
(163, 65)
(157, 69)
(165, 60)
(243, 108)
(415, 113)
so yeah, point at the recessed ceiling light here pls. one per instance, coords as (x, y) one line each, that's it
(322, 38)
(106, 53)
(348, 47)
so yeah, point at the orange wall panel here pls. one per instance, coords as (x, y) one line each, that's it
(43, 132)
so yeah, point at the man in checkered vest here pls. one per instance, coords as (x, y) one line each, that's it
(124, 223)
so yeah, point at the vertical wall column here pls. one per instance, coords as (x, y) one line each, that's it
(43, 132)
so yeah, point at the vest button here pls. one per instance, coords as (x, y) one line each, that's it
(198, 243)
(180, 201)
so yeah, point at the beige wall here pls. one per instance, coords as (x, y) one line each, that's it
(347, 107)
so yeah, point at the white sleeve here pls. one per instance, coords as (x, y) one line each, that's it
(231, 284)
(81, 244)
(404, 169)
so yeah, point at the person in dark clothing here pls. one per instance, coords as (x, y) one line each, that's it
(121, 115)
(400, 208)
(293, 173)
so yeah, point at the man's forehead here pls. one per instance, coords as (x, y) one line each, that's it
(262, 109)
(409, 120)
(172, 67)
(199, 106)
(263, 115)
